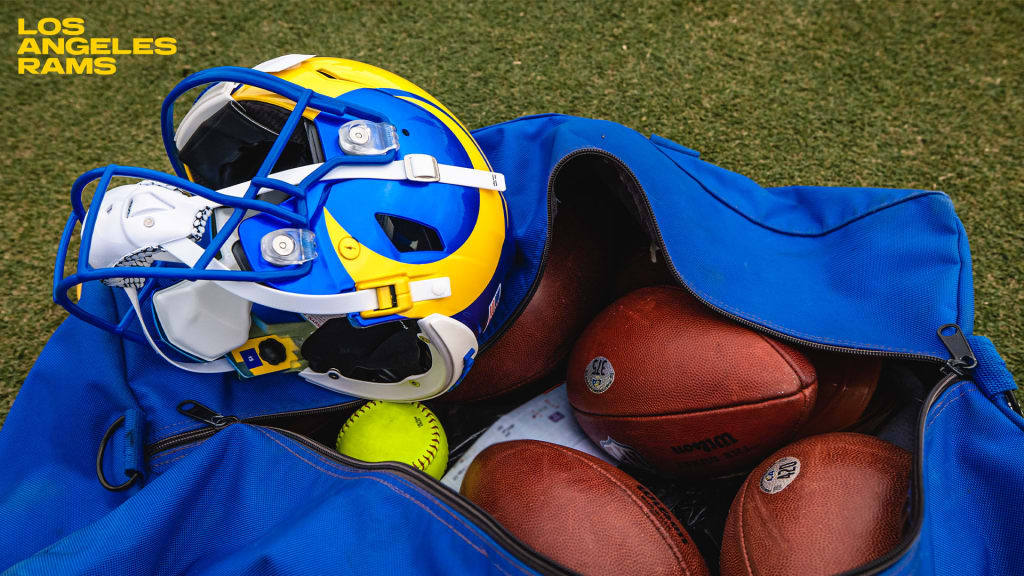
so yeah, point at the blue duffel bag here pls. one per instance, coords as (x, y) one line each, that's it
(225, 476)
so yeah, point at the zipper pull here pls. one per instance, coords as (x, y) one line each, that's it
(961, 360)
(1011, 401)
(194, 409)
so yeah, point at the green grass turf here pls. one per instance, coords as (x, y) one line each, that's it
(925, 95)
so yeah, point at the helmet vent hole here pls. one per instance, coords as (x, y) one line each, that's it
(405, 132)
(409, 235)
(327, 74)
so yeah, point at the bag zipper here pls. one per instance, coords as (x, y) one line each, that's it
(216, 421)
(889, 559)
(419, 479)
(958, 368)
(541, 266)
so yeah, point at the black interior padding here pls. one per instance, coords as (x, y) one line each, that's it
(384, 353)
(229, 147)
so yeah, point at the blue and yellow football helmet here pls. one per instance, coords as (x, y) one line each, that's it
(327, 217)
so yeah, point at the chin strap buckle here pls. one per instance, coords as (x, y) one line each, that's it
(397, 294)
(422, 168)
(394, 296)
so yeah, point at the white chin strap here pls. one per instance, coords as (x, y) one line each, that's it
(412, 167)
(189, 252)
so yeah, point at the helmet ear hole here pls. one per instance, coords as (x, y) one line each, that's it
(384, 353)
(408, 235)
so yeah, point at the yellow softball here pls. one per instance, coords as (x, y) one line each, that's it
(391, 432)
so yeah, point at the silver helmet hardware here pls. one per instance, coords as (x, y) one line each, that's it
(366, 138)
(288, 246)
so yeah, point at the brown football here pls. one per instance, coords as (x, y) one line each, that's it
(822, 505)
(579, 511)
(845, 386)
(571, 291)
(659, 380)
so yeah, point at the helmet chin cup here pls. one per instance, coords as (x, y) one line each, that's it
(450, 343)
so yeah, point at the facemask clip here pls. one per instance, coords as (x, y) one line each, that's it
(288, 246)
(365, 138)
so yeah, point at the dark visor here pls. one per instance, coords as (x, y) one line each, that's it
(230, 145)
